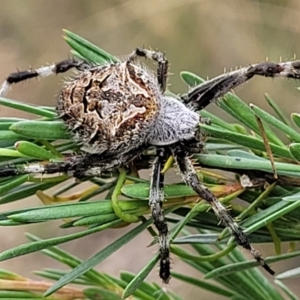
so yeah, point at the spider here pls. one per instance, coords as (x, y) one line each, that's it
(119, 109)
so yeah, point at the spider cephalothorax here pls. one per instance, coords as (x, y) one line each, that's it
(119, 109)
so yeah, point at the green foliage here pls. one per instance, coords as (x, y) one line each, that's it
(271, 215)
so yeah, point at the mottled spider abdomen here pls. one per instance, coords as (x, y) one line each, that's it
(111, 108)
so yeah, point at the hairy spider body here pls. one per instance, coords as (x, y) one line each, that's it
(116, 108)
(110, 109)
(119, 109)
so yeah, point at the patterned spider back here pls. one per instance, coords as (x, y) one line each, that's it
(110, 108)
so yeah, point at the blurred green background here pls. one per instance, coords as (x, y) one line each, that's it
(200, 36)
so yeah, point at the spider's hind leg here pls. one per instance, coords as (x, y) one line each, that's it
(156, 198)
(79, 166)
(189, 175)
(19, 76)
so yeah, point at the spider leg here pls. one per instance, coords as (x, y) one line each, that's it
(162, 68)
(19, 76)
(88, 165)
(156, 198)
(189, 175)
(201, 95)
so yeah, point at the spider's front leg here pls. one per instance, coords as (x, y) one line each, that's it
(201, 95)
(156, 198)
(162, 68)
(189, 175)
(20, 76)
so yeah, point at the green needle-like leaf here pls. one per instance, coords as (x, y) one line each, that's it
(229, 162)
(295, 150)
(241, 266)
(43, 244)
(191, 79)
(28, 108)
(277, 110)
(141, 191)
(292, 273)
(41, 130)
(12, 184)
(203, 284)
(242, 112)
(8, 138)
(97, 258)
(70, 210)
(291, 295)
(246, 141)
(88, 50)
(28, 190)
(140, 277)
(32, 150)
(296, 118)
(293, 134)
